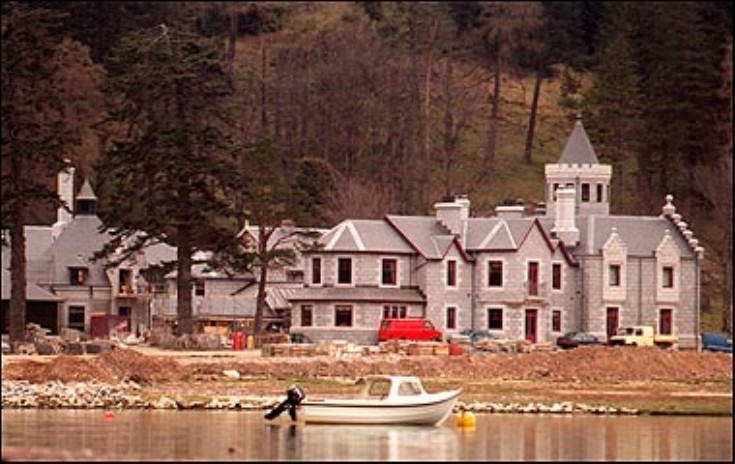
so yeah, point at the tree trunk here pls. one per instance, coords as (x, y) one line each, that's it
(17, 316)
(232, 41)
(263, 236)
(426, 168)
(528, 152)
(492, 133)
(183, 286)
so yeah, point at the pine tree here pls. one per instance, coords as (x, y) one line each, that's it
(167, 179)
(41, 124)
(613, 109)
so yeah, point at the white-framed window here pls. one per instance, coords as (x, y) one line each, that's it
(344, 271)
(495, 273)
(316, 271)
(451, 273)
(556, 320)
(495, 318)
(343, 316)
(389, 272)
(76, 317)
(557, 276)
(614, 275)
(451, 317)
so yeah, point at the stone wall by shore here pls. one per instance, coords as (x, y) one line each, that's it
(20, 394)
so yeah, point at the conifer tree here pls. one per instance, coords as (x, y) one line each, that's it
(166, 179)
(613, 108)
(42, 118)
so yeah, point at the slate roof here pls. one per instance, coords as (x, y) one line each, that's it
(86, 192)
(578, 149)
(640, 234)
(386, 295)
(365, 235)
(426, 233)
(33, 291)
(75, 247)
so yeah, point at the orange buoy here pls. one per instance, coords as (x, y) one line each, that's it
(109, 415)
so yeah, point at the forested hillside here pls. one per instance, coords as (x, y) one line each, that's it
(218, 112)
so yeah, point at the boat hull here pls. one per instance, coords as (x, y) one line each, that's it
(428, 409)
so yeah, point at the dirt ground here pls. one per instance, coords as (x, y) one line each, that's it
(649, 379)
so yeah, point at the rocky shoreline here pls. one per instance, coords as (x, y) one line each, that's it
(21, 394)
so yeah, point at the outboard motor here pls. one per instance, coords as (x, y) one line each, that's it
(294, 396)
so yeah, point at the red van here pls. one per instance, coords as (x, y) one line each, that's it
(408, 329)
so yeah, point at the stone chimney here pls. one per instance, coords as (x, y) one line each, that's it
(65, 190)
(454, 214)
(565, 227)
(510, 212)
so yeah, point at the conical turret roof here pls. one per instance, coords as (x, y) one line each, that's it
(578, 149)
(86, 192)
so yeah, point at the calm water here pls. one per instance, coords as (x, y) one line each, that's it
(221, 435)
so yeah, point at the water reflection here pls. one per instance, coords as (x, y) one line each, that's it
(210, 435)
(354, 442)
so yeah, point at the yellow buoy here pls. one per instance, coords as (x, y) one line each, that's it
(465, 419)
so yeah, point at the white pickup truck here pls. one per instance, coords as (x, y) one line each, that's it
(642, 335)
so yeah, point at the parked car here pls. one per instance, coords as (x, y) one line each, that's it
(575, 339)
(713, 341)
(408, 329)
(473, 336)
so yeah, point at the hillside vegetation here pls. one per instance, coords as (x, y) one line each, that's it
(192, 114)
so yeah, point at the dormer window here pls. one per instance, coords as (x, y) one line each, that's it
(668, 277)
(78, 275)
(614, 275)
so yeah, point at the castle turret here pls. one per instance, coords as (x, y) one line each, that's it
(578, 168)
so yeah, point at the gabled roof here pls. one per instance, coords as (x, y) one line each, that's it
(426, 234)
(79, 240)
(578, 149)
(364, 235)
(641, 234)
(33, 291)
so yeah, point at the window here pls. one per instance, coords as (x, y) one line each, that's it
(125, 279)
(556, 186)
(556, 276)
(389, 272)
(533, 278)
(343, 316)
(451, 317)
(76, 318)
(556, 320)
(199, 288)
(316, 270)
(294, 275)
(585, 192)
(599, 193)
(307, 314)
(495, 274)
(614, 275)
(78, 275)
(394, 312)
(344, 271)
(451, 273)
(668, 277)
(495, 318)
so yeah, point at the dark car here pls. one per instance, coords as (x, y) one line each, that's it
(575, 339)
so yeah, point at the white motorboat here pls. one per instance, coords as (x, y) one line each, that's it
(383, 399)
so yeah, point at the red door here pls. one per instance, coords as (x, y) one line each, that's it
(612, 322)
(666, 319)
(531, 325)
(533, 279)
